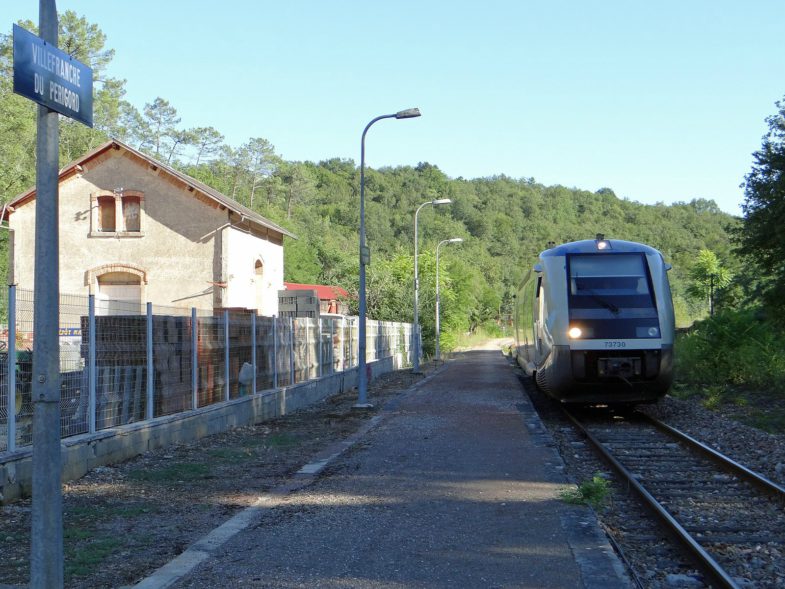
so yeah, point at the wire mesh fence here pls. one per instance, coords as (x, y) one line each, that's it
(122, 362)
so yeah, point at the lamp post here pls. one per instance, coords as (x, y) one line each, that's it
(416, 360)
(453, 240)
(365, 255)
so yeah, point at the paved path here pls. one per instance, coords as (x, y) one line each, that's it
(455, 486)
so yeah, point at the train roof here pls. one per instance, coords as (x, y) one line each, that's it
(592, 246)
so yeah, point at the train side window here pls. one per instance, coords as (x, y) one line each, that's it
(539, 287)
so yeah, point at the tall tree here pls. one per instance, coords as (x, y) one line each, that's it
(763, 234)
(208, 143)
(707, 277)
(161, 122)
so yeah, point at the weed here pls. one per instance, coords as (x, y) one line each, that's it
(594, 492)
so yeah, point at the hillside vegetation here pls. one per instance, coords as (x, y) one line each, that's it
(504, 221)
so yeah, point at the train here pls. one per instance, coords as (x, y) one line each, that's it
(594, 323)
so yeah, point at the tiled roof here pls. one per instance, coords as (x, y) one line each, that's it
(206, 190)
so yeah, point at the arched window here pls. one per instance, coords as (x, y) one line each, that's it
(258, 270)
(132, 213)
(106, 214)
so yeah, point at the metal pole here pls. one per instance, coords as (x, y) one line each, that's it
(194, 359)
(416, 359)
(46, 559)
(275, 352)
(362, 379)
(91, 368)
(438, 332)
(291, 351)
(149, 413)
(319, 371)
(417, 342)
(437, 300)
(253, 351)
(226, 354)
(11, 362)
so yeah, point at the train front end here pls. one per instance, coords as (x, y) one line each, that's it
(610, 316)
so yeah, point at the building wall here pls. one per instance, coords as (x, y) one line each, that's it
(181, 253)
(243, 251)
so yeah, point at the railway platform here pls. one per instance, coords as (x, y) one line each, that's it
(456, 484)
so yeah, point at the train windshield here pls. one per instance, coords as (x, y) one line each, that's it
(610, 296)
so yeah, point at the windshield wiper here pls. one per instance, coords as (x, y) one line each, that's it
(608, 305)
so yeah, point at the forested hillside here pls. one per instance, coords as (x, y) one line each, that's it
(504, 221)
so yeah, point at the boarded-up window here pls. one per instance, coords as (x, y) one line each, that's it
(131, 213)
(106, 212)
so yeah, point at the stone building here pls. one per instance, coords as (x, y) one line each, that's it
(136, 230)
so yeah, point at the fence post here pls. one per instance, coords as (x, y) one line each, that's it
(194, 359)
(150, 367)
(351, 341)
(307, 351)
(226, 353)
(332, 345)
(92, 385)
(11, 361)
(253, 350)
(291, 350)
(275, 352)
(379, 340)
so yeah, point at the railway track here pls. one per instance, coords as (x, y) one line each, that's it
(730, 520)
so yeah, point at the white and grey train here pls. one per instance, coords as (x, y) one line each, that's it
(594, 323)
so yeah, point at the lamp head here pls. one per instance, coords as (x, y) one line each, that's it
(456, 240)
(409, 113)
(441, 201)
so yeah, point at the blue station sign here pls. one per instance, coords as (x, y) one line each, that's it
(51, 77)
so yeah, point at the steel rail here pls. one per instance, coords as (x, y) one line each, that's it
(722, 578)
(726, 462)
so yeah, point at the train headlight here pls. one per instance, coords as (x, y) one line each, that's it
(575, 332)
(653, 332)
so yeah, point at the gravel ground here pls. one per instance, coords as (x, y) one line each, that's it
(645, 546)
(723, 430)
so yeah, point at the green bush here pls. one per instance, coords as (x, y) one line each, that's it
(735, 348)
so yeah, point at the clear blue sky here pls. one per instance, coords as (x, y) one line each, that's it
(659, 101)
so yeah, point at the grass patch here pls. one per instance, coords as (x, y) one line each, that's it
(282, 440)
(176, 472)
(594, 493)
(82, 559)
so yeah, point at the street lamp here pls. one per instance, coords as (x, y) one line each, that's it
(453, 240)
(416, 360)
(365, 255)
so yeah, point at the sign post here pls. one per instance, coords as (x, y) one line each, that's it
(59, 84)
